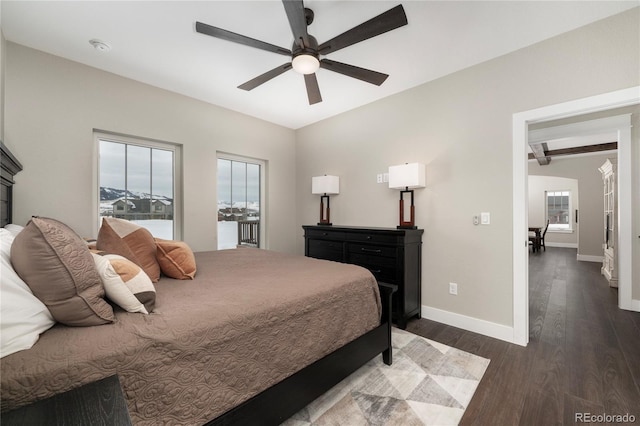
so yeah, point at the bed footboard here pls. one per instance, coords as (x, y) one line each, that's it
(279, 402)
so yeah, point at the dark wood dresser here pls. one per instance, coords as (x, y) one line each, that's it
(394, 256)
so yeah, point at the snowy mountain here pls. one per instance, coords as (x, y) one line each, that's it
(111, 194)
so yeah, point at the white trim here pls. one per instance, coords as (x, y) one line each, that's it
(475, 325)
(590, 258)
(521, 121)
(561, 245)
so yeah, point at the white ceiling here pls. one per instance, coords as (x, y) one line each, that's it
(155, 42)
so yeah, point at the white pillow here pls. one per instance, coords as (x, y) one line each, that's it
(22, 315)
(125, 283)
(13, 228)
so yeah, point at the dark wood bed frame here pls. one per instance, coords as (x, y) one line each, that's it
(10, 166)
(279, 402)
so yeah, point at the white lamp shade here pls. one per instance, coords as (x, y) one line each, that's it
(326, 184)
(411, 175)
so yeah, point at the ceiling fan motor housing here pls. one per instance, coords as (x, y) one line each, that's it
(311, 50)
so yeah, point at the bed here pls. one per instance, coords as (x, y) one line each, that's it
(252, 339)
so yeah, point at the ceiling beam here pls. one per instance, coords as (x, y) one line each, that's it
(539, 153)
(610, 146)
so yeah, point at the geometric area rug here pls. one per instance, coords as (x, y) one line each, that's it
(428, 384)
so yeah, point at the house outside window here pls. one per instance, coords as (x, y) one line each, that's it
(558, 205)
(138, 181)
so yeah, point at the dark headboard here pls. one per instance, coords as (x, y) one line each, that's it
(10, 167)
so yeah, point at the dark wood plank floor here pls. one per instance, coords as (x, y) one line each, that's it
(583, 354)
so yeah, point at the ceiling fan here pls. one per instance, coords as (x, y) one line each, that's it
(305, 52)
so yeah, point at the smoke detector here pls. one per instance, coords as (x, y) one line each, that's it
(100, 45)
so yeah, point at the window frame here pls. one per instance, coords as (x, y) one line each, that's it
(220, 155)
(175, 148)
(555, 227)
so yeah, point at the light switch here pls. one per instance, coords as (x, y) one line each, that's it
(485, 218)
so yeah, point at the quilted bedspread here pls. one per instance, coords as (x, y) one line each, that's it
(249, 319)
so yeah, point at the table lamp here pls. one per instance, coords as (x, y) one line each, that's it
(325, 185)
(407, 177)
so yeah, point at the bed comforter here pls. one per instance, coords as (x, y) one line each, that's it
(249, 319)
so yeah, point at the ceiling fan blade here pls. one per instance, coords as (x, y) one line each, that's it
(363, 74)
(238, 38)
(297, 21)
(387, 21)
(313, 91)
(255, 82)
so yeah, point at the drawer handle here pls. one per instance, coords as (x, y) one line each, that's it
(371, 250)
(324, 234)
(375, 271)
(368, 237)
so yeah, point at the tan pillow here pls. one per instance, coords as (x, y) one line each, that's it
(125, 283)
(176, 259)
(56, 265)
(119, 236)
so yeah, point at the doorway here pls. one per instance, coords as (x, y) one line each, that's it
(521, 122)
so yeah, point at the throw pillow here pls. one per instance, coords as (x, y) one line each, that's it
(125, 283)
(176, 259)
(56, 265)
(119, 236)
(22, 316)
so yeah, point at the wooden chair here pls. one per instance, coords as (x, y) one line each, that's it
(536, 241)
(543, 235)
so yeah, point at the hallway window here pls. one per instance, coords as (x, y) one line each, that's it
(559, 210)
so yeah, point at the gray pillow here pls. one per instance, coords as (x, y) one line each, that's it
(59, 269)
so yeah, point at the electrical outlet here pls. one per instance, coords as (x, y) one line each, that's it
(379, 178)
(453, 289)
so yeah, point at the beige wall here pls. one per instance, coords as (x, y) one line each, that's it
(53, 105)
(3, 44)
(460, 127)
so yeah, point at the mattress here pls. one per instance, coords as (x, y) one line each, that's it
(250, 319)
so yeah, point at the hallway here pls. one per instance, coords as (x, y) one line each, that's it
(583, 354)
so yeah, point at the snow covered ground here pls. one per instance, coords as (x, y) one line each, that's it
(227, 235)
(159, 228)
(227, 231)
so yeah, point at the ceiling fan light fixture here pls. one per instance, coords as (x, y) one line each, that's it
(305, 64)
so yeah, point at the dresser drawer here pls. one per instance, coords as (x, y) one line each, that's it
(372, 250)
(323, 249)
(375, 238)
(383, 268)
(325, 234)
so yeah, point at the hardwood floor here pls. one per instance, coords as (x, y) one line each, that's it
(583, 354)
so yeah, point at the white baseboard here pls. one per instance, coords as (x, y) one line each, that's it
(487, 328)
(561, 245)
(589, 258)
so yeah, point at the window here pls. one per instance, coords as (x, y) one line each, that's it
(559, 210)
(137, 182)
(239, 201)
